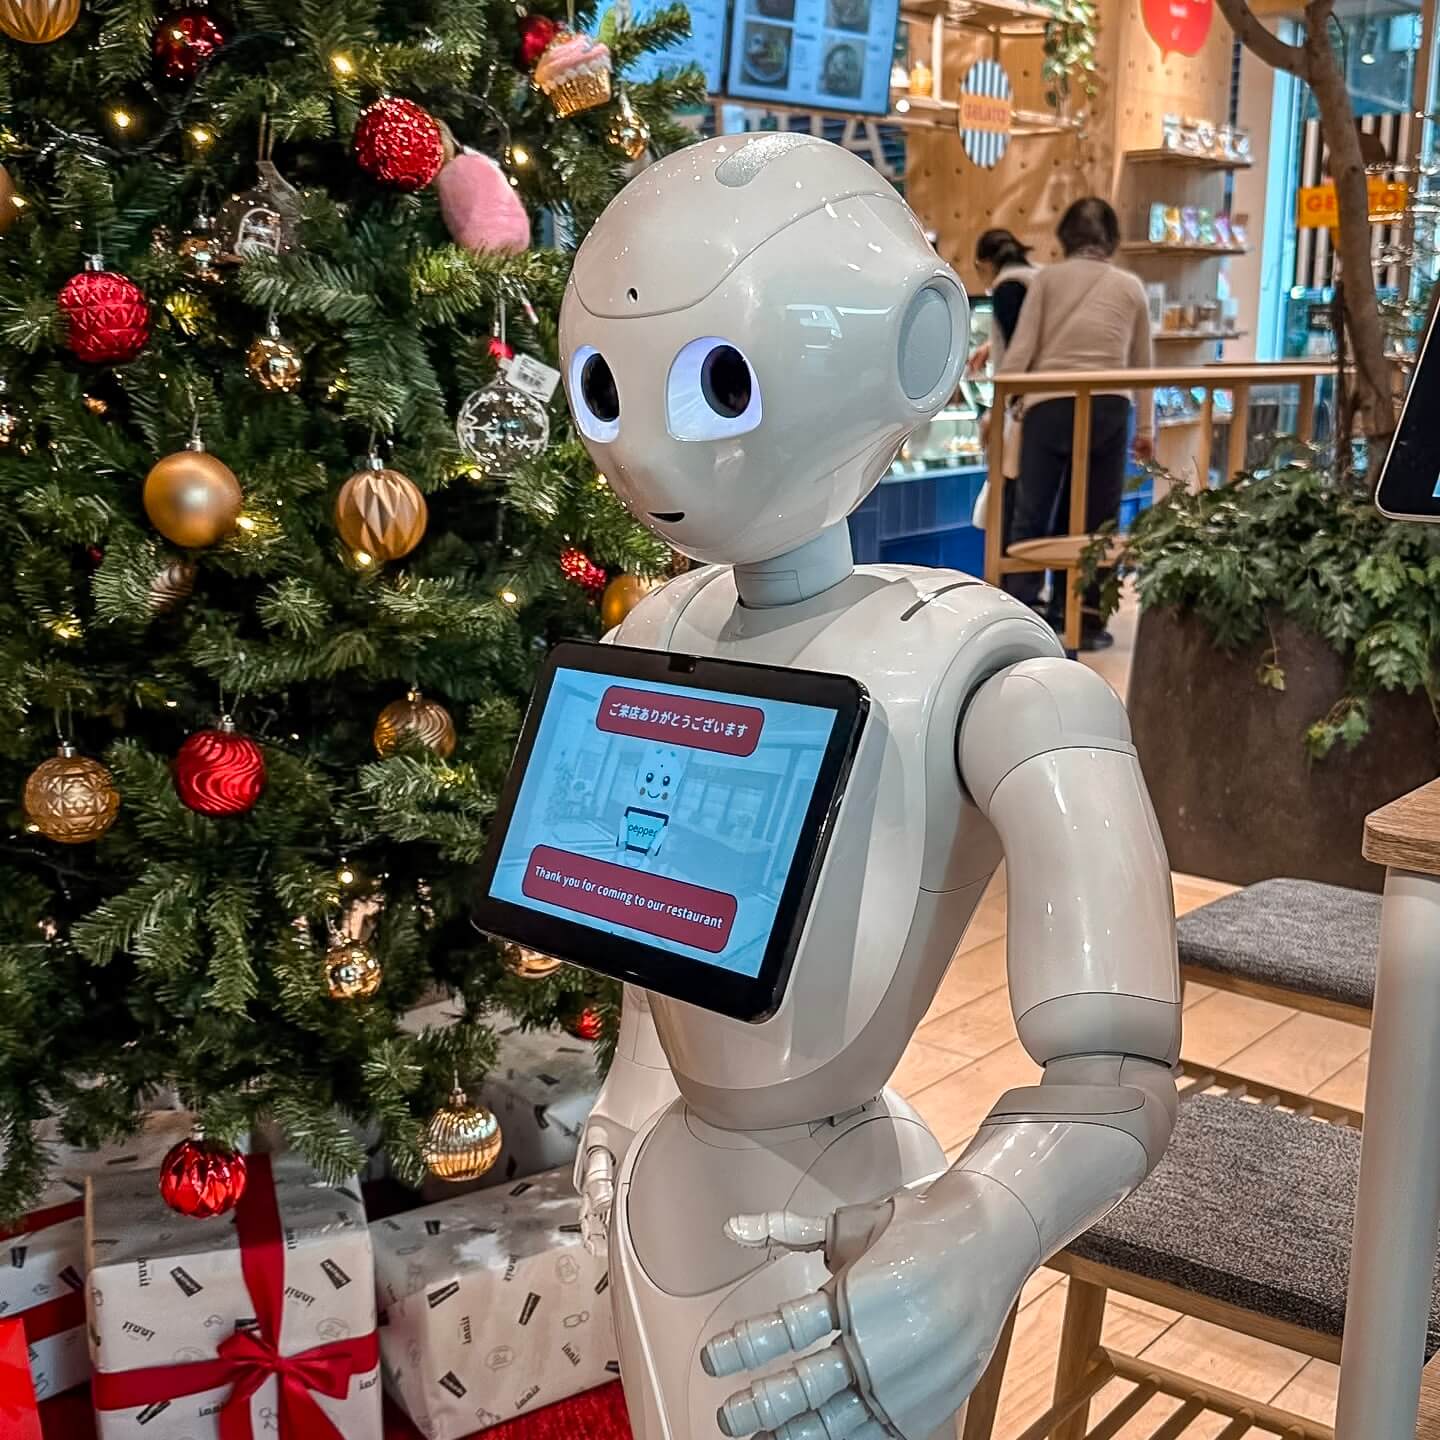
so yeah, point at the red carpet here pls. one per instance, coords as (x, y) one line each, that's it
(596, 1415)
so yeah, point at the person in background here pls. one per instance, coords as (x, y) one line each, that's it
(1003, 263)
(1080, 314)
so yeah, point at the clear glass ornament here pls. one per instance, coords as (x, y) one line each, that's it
(500, 426)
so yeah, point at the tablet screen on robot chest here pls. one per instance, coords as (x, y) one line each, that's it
(665, 819)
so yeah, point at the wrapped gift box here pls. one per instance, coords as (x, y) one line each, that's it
(491, 1307)
(542, 1089)
(19, 1413)
(188, 1318)
(44, 1283)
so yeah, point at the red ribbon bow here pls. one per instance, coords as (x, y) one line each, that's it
(249, 1357)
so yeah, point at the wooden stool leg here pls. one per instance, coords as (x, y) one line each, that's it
(1079, 1337)
(985, 1398)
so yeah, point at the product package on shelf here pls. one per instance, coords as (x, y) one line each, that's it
(491, 1307)
(43, 1285)
(541, 1089)
(256, 1325)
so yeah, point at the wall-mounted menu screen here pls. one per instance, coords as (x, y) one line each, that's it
(704, 47)
(829, 54)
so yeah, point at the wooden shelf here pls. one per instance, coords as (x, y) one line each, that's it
(1181, 157)
(1192, 335)
(1149, 247)
(927, 111)
(1006, 17)
(1178, 422)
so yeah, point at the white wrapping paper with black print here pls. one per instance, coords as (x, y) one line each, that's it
(490, 1307)
(168, 1291)
(42, 1259)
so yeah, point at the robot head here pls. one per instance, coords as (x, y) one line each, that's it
(657, 776)
(751, 329)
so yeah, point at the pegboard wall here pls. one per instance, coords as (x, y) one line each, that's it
(1039, 175)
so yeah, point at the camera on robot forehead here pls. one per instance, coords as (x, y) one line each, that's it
(750, 332)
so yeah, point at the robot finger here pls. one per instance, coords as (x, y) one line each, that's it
(781, 1227)
(774, 1399)
(754, 1343)
(842, 1417)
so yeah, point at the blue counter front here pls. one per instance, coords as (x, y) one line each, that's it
(922, 519)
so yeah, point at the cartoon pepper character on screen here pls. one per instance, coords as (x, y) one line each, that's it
(657, 778)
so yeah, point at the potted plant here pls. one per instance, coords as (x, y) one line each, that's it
(1286, 669)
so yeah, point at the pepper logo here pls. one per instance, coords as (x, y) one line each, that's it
(528, 1309)
(187, 1282)
(440, 1296)
(336, 1276)
(452, 1382)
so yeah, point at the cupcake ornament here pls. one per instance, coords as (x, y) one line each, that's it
(575, 73)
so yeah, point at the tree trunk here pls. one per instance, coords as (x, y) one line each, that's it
(1314, 61)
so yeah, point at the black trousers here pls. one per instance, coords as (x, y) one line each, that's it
(1038, 504)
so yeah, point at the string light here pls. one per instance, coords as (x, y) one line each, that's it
(509, 597)
(121, 119)
(364, 557)
(342, 64)
(201, 136)
(246, 522)
(346, 875)
(520, 155)
(172, 704)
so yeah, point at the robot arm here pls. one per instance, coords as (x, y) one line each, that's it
(922, 1282)
(639, 1084)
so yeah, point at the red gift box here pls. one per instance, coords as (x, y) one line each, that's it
(19, 1415)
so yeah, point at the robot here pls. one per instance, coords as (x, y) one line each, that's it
(644, 823)
(751, 331)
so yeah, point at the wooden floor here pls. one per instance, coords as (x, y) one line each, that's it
(966, 1054)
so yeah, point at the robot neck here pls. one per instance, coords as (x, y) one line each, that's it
(798, 574)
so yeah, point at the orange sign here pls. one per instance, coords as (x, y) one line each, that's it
(989, 113)
(1317, 207)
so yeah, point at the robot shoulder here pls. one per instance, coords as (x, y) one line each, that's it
(650, 625)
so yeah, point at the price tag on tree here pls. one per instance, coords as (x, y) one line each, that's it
(527, 373)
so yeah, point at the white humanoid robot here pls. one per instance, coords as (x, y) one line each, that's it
(752, 329)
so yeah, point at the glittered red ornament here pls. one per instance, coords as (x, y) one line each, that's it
(201, 1178)
(501, 350)
(536, 33)
(107, 319)
(184, 40)
(587, 1025)
(220, 772)
(578, 568)
(399, 143)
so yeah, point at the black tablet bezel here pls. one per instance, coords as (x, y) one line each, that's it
(1411, 471)
(650, 966)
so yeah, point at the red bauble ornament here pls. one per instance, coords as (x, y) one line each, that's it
(220, 772)
(399, 143)
(201, 1178)
(107, 318)
(536, 33)
(1178, 25)
(500, 350)
(578, 568)
(184, 41)
(587, 1025)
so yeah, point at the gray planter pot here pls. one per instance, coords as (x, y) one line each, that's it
(1237, 796)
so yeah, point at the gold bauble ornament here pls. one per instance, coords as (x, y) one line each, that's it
(192, 499)
(627, 132)
(621, 596)
(528, 964)
(9, 210)
(201, 253)
(71, 799)
(38, 22)
(380, 513)
(173, 583)
(351, 971)
(416, 718)
(274, 361)
(462, 1140)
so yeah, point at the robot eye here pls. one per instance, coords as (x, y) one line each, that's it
(711, 392)
(650, 778)
(594, 396)
(666, 782)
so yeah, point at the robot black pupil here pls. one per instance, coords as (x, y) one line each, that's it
(650, 778)
(597, 385)
(725, 379)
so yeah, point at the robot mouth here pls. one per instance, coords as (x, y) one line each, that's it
(670, 517)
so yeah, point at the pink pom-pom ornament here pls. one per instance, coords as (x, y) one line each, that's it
(480, 205)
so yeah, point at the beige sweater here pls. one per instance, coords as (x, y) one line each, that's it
(1084, 315)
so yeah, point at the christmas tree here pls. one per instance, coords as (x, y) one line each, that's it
(231, 484)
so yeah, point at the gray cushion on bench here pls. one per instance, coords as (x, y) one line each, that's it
(1251, 1206)
(1298, 934)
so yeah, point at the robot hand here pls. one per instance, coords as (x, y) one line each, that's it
(921, 1287)
(597, 1198)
